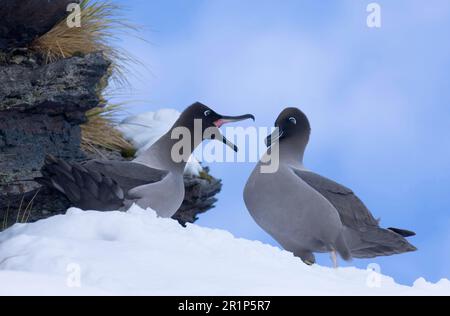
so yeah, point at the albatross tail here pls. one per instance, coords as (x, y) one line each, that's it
(403, 232)
(376, 241)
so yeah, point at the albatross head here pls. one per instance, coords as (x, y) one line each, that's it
(291, 124)
(211, 122)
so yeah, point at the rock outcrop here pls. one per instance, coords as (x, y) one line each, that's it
(22, 21)
(41, 109)
(67, 87)
(41, 105)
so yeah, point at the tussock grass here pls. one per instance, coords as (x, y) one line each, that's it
(100, 131)
(5, 218)
(101, 25)
(23, 214)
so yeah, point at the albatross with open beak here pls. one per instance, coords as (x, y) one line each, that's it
(154, 179)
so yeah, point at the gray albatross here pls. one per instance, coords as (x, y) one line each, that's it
(306, 212)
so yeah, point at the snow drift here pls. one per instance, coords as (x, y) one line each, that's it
(136, 253)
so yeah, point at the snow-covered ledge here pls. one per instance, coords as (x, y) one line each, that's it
(136, 253)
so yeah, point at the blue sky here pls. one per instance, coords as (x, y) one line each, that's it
(378, 100)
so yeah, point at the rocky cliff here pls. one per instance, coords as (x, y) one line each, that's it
(42, 106)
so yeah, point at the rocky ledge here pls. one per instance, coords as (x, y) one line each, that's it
(67, 87)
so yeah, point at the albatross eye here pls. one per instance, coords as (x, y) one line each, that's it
(207, 112)
(293, 120)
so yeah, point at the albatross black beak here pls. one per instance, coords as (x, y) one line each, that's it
(231, 119)
(274, 137)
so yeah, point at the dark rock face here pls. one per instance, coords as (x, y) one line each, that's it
(41, 107)
(25, 139)
(22, 21)
(67, 87)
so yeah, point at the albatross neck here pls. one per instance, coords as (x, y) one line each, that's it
(159, 155)
(292, 150)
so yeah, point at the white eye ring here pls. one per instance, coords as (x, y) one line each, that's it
(207, 112)
(293, 120)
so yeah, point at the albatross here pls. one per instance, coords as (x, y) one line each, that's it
(153, 180)
(306, 212)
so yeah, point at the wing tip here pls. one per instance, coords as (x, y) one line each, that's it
(402, 232)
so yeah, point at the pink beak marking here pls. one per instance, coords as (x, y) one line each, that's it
(219, 123)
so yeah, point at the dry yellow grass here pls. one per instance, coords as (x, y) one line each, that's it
(100, 131)
(101, 24)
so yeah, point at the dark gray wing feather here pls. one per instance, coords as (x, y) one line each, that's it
(354, 214)
(126, 174)
(97, 185)
(364, 236)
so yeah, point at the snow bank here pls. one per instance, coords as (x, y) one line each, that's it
(136, 253)
(145, 129)
(32, 284)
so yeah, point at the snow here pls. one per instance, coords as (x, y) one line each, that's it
(145, 129)
(31, 284)
(136, 253)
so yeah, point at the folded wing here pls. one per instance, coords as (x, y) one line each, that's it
(364, 236)
(97, 185)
